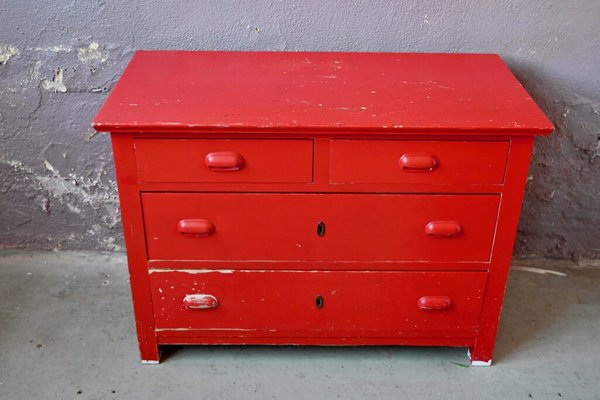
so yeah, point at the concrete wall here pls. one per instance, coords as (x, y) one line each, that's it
(59, 59)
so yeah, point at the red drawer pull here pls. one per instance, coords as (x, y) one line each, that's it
(443, 229)
(435, 303)
(418, 162)
(195, 227)
(224, 161)
(200, 301)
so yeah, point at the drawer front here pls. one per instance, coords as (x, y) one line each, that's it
(418, 162)
(215, 160)
(318, 303)
(312, 227)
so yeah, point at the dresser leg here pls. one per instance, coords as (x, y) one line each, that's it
(478, 359)
(150, 354)
(508, 218)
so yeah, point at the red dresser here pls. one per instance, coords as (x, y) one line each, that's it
(319, 198)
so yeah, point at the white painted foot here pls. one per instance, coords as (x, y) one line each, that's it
(481, 363)
(150, 362)
(476, 363)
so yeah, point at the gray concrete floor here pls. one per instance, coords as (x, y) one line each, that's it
(66, 332)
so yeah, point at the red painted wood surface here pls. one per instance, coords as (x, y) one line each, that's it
(195, 227)
(508, 219)
(358, 227)
(444, 229)
(435, 303)
(415, 164)
(261, 160)
(431, 162)
(200, 301)
(400, 265)
(180, 337)
(298, 92)
(224, 161)
(133, 230)
(380, 304)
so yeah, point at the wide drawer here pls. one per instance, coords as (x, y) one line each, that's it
(312, 227)
(428, 162)
(318, 303)
(216, 160)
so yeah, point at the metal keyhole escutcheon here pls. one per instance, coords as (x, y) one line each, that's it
(321, 229)
(319, 301)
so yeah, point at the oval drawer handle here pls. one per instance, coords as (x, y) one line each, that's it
(200, 301)
(195, 227)
(224, 161)
(418, 162)
(445, 229)
(435, 303)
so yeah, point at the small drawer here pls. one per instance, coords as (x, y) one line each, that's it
(218, 160)
(418, 162)
(319, 227)
(342, 303)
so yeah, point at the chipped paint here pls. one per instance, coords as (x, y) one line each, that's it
(207, 329)
(6, 53)
(74, 193)
(478, 363)
(193, 271)
(33, 76)
(93, 52)
(56, 83)
(199, 301)
(15, 164)
(50, 168)
(279, 270)
(481, 363)
(52, 49)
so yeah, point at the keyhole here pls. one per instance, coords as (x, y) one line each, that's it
(321, 229)
(319, 301)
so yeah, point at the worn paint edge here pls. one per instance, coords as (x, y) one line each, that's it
(312, 271)
(212, 329)
(192, 271)
(161, 261)
(481, 363)
(478, 363)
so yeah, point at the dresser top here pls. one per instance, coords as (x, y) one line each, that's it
(301, 92)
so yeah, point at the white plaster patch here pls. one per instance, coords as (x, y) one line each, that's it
(34, 74)
(88, 190)
(50, 168)
(91, 53)
(51, 49)
(56, 83)
(109, 244)
(73, 209)
(7, 52)
(15, 164)
(541, 271)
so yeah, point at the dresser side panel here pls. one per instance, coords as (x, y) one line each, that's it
(508, 219)
(133, 229)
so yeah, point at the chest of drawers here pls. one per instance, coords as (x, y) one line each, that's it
(319, 198)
